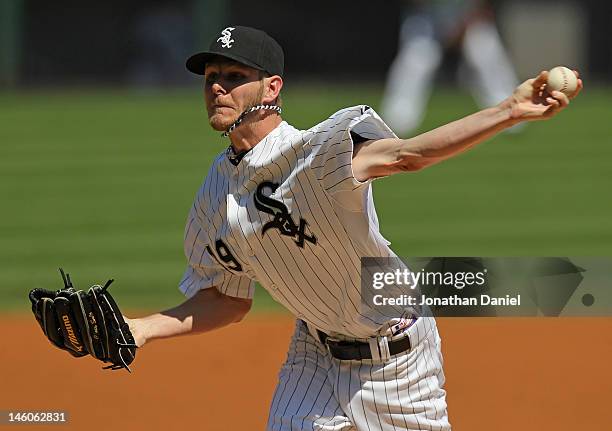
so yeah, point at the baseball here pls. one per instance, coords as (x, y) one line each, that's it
(562, 79)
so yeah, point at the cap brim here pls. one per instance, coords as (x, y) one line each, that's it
(197, 62)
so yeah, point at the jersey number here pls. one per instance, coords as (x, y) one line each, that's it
(224, 256)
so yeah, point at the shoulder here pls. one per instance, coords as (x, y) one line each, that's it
(287, 132)
(217, 171)
(285, 138)
(218, 163)
(340, 117)
(359, 120)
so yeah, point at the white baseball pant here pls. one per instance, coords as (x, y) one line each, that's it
(318, 392)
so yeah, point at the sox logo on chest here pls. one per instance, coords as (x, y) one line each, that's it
(283, 221)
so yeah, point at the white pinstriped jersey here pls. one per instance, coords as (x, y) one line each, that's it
(292, 216)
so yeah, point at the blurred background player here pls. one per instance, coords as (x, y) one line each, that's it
(430, 29)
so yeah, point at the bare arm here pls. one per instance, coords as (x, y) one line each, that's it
(530, 101)
(206, 310)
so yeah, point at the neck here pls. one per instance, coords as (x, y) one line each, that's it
(253, 130)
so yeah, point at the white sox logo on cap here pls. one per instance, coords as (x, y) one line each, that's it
(255, 48)
(226, 40)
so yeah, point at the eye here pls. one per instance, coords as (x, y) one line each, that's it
(235, 77)
(211, 78)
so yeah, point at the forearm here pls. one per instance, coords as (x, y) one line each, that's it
(453, 138)
(530, 101)
(383, 157)
(206, 311)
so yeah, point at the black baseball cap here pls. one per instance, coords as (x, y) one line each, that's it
(246, 45)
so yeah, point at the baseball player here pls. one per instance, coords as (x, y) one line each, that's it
(293, 210)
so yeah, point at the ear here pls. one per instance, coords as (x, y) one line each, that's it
(273, 85)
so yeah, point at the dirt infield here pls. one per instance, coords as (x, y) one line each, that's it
(502, 374)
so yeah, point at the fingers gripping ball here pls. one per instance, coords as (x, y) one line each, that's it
(85, 323)
(562, 79)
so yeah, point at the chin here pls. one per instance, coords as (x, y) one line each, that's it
(220, 123)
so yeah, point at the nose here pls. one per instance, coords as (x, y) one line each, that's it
(216, 89)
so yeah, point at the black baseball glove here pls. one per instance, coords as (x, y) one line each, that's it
(85, 323)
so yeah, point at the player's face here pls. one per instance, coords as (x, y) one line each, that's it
(229, 89)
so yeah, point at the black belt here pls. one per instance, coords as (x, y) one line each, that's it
(357, 350)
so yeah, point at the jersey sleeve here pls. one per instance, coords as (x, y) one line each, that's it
(333, 143)
(204, 271)
(202, 277)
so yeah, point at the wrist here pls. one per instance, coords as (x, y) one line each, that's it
(140, 330)
(505, 110)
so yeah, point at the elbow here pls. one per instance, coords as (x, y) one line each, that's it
(220, 308)
(240, 308)
(409, 159)
(234, 308)
(415, 167)
(413, 164)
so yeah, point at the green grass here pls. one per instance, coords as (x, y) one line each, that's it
(100, 182)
